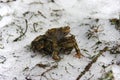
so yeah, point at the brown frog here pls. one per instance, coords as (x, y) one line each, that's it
(56, 41)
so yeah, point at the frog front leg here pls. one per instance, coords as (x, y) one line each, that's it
(55, 52)
(78, 54)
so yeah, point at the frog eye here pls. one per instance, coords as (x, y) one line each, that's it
(65, 33)
(67, 27)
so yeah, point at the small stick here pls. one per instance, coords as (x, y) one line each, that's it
(23, 33)
(91, 63)
(51, 68)
(34, 26)
(42, 65)
(41, 14)
(71, 65)
(52, 1)
(7, 1)
(66, 70)
(2, 59)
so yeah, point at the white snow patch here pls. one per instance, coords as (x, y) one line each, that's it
(74, 13)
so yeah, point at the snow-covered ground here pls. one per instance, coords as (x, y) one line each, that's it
(18, 62)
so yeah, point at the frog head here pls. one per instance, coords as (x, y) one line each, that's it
(65, 30)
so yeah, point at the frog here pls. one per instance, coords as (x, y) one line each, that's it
(56, 41)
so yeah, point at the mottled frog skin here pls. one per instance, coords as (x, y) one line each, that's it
(56, 41)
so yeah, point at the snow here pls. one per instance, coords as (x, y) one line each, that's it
(20, 64)
(66, 3)
(116, 71)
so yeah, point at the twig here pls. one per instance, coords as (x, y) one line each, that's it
(27, 78)
(66, 70)
(2, 59)
(23, 33)
(51, 68)
(34, 3)
(26, 13)
(41, 14)
(71, 65)
(52, 1)
(7, 1)
(90, 77)
(34, 26)
(42, 65)
(90, 64)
